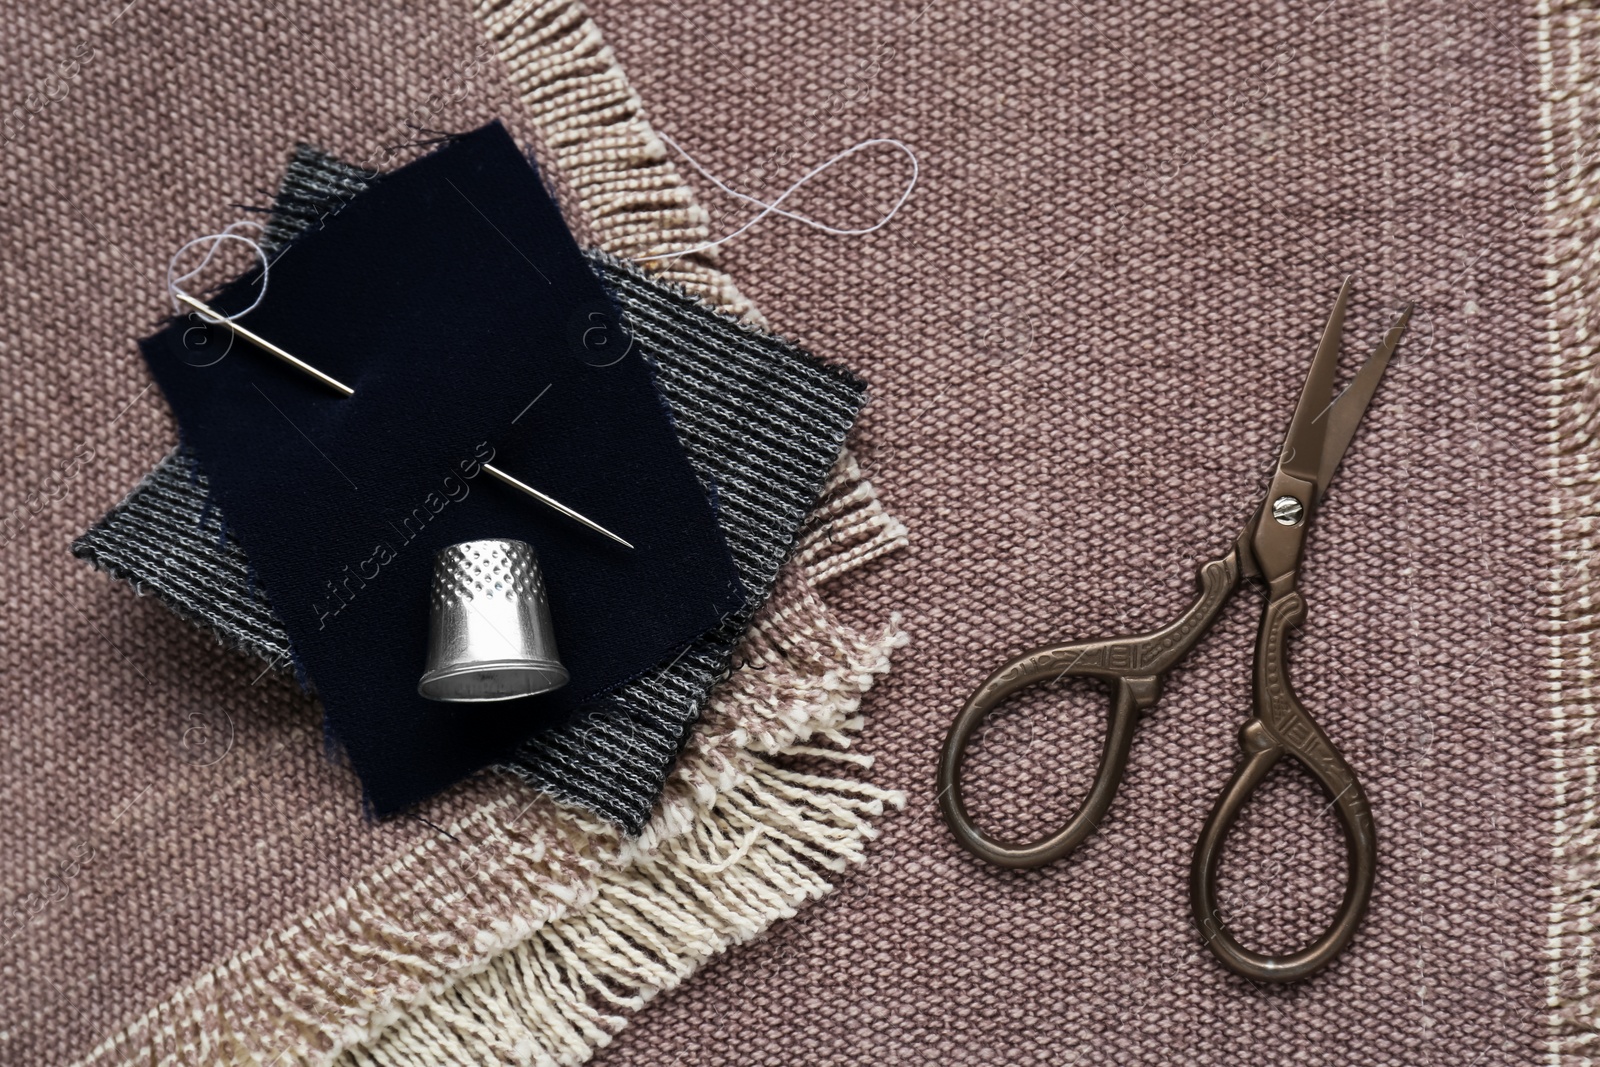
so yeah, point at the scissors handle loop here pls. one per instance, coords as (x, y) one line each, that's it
(1281, 726)
(1135, 667)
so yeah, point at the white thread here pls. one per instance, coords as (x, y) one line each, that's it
(773, 208)
(216, 239)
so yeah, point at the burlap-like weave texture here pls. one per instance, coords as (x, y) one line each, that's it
(1085, 333)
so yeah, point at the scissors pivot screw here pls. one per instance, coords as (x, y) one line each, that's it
(1288, 511)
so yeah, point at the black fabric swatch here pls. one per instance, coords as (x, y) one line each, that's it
(450, 296)
(761, 420)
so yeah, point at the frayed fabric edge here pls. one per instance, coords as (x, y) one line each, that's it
(593, 129)
(549, 920)
(755, 856)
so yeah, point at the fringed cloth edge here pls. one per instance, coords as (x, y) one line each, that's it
(528, 931)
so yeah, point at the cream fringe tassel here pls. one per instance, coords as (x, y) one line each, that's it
(749, 860)
(529, 933)
(593, 128)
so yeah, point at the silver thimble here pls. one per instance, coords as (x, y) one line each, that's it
(489, 634)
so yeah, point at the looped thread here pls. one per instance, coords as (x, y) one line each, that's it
(773, 208)
(216, 239)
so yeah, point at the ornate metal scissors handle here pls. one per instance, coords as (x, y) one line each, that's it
(1269, 549)
(1135, 666)
(1281, 726)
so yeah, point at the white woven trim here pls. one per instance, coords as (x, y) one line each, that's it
(1567, 47)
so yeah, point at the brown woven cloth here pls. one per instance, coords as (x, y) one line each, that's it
(1085, 334)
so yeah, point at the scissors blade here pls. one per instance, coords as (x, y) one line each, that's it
(1352, 403)
(1302, 445)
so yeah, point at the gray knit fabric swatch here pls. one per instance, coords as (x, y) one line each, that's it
(762, 423)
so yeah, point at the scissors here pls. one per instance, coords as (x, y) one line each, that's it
(1269, 550)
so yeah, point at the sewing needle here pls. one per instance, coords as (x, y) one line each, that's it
(334, 383)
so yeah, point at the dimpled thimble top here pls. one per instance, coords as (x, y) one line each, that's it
(489, 630)
(474, 570)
